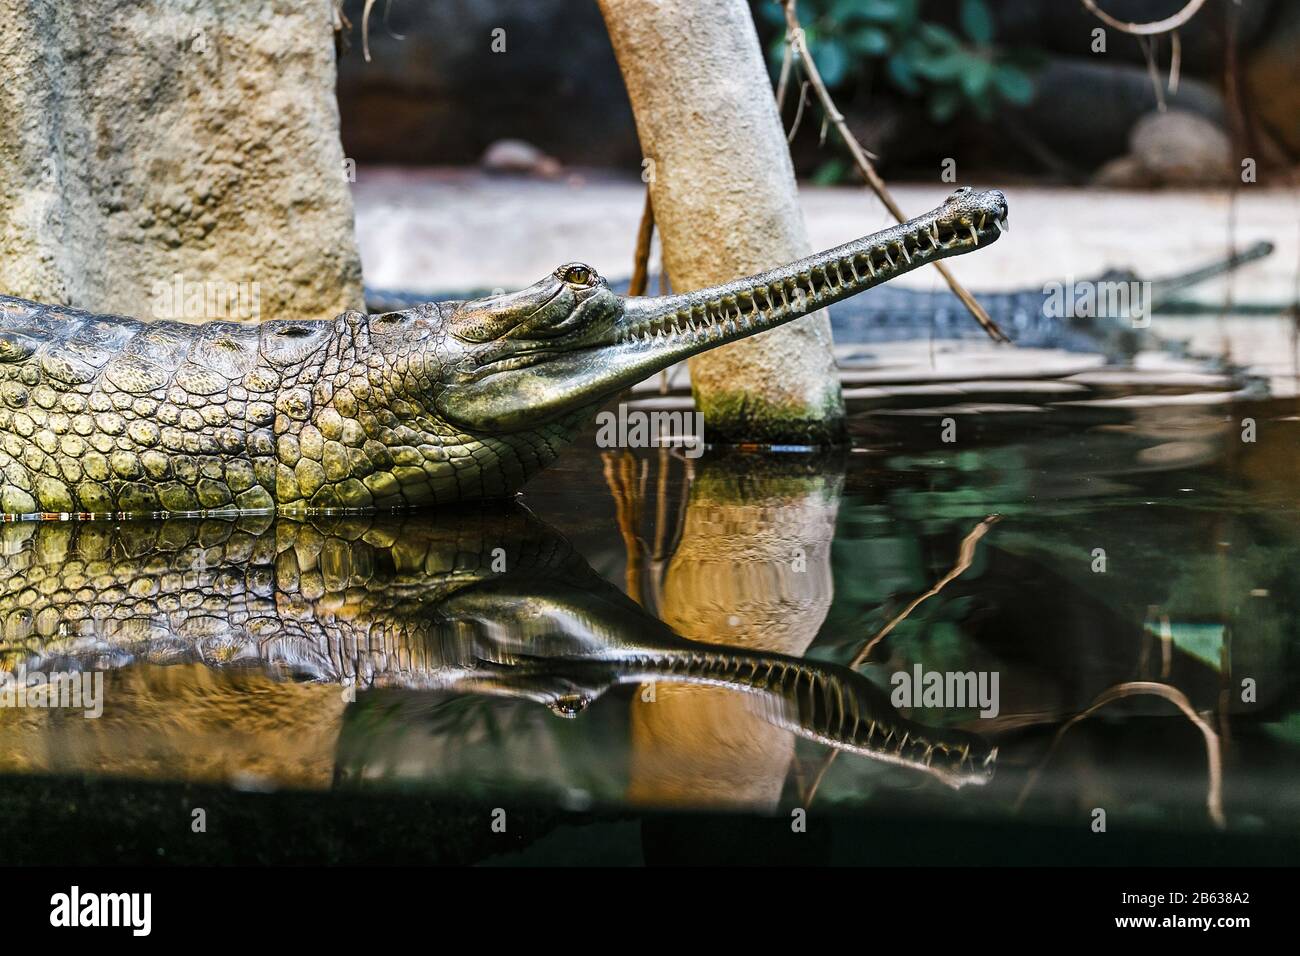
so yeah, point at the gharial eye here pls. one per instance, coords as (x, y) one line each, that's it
(577, 274)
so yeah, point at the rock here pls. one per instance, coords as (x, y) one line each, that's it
(1178, 148)
(1067, 28)
(445, 80)
(1086, 109)
(517, 157)
(1175, 148)
(1124, 172)
(147, 143)
(1273, 79)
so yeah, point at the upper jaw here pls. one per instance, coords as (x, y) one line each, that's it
(678, 326)
(641, 336)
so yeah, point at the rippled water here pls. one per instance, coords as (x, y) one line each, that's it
(1129, 573)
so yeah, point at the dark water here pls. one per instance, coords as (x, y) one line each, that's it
(1129, 575)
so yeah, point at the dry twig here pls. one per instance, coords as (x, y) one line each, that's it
(1143, 31)
(965, 556)
(641, 258)
(1214, 759)
(1146, 29)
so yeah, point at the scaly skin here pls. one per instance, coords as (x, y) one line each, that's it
(444, 402)
(486, 601)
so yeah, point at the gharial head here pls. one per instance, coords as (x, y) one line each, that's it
(508, 362)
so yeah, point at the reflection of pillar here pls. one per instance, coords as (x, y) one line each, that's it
(752, 570)
(185, 722)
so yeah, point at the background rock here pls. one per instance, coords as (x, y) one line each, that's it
(1273, 78)
(1181, 148)
(197, 137)
(519, 158)
(434, 91)
(1124, 172)
(1086, 109)
(1066, 28)
(1175, 148)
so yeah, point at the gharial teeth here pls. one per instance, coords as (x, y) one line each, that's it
(974, 236)
(903, 248)
(1002, 225)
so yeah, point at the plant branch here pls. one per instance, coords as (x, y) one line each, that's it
(1213, 755)
(1146, 29)
(965, 556)
(641, 258)
(799, 50)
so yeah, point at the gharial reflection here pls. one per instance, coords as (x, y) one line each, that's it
(488, 602)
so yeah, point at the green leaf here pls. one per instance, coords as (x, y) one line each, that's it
(1288, 728)
(942, 66)
(900, 71)
(832, 61)
(869, 41)
(1013, 83)
(938, 36)
(944, 103)
(976, 77)
(874, 11)
(908, 12)
(977, 21)
(830, 172)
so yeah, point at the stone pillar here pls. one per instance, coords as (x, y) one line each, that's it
(167, 149)
(726, 205)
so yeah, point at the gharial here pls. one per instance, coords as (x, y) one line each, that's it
(446, 401)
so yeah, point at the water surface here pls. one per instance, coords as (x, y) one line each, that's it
(1129, 570)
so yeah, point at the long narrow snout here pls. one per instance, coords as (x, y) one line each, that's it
(645, 335)
(678, 326)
